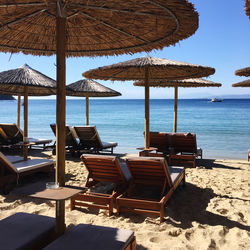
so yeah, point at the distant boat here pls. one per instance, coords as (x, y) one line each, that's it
(216, 100)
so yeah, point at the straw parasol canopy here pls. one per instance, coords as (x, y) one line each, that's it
(89, 28)
(158, 68)
(25, 81)
(242, 84)
(243, 72)
(187, 83)
(89, 88)
(95, 27)
(247, 8)
(14, 82)
(147, 69)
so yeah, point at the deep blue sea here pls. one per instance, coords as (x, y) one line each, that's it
(222, 128)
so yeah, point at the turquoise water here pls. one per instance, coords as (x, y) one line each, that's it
(222, 129)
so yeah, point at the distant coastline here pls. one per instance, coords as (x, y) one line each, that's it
(7, 97)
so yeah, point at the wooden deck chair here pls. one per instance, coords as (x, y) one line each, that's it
(148, 173)
(26, 231)
(90, 139)
(90, 237)
(10, 172)
(71, 142)
(185, 149)
(15, 134)
(102, 168)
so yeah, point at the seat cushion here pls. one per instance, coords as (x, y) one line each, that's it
(23, 231)
(109, 144)
(175, 173)
(32, 164)
(91, 237)
(39, 141)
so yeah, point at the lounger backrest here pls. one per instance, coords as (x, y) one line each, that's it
(70, 139)
(13, 132)
(104, 168)
(88, 136)
(161, 141)
(184, 142)
(149, 171)
(5, 163)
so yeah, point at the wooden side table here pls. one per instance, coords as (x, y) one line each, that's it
(38, 190)
(146, 151)
(25, 146)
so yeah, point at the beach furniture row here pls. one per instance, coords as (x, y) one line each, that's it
(11, 136)
(86, 138)
(178, 148)
(142, 185)
(24, 231)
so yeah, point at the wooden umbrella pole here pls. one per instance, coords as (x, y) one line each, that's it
(147, 142)
(25, 123)
(60, 111)
(175, 107)
(87, 110)
(18, 110)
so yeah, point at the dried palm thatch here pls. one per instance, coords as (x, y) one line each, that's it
(243, 72)
(158, 68)
(13, 82)
(87, 87)
(187, 83)
(96, 27)
(242, 84)
(247, 8)
(149, 68)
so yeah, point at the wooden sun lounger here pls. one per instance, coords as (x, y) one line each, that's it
(10, 172)
(90, 237)
(25, 231)
(102, 168)
(13, 134)
(71, 142)
(90, 139)
(149, 173)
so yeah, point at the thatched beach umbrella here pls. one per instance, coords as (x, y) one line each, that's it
(89, 88)
(242, 84)
(187, 83)
(243, 72)
(89, 28)
(27, 82)
(247, 8)
(148, 68)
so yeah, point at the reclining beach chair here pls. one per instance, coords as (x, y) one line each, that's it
(90, 139)
(92, 237)
(152, 184)
(26, 231)
(15, 135)
(71, 143)
(102, 168)
(10, 172)
(184, 149)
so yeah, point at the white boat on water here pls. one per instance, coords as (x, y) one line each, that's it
(216, 100)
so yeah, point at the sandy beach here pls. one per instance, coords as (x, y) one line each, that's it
(211, 212)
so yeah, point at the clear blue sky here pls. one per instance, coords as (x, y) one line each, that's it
(222, 41)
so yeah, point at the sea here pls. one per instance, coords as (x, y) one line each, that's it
(222, 128)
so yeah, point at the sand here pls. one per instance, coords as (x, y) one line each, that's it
(211, 212)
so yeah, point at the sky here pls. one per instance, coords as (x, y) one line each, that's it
(222, 41)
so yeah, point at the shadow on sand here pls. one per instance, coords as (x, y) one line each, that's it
(189, 205)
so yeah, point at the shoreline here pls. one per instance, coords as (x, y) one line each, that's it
(211, 212)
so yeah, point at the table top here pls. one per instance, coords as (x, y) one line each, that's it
(38, 190)
(147, 149)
